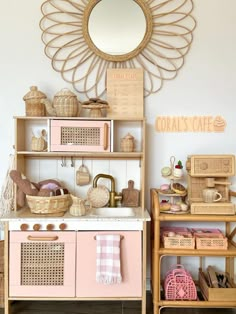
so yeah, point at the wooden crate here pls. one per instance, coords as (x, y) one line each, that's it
(212, 208)
(216, 294)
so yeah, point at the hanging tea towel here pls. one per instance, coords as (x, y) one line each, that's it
(108, 259)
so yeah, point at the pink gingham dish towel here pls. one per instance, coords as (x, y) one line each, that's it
(108, 259)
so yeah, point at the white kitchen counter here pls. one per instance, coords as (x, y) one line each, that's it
(86, 222)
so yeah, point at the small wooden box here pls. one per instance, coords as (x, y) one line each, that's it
(212, 209)
(216, 294)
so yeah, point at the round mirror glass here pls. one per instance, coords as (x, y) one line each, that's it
(117, 27)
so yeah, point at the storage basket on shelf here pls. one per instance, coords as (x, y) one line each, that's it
(177, 238)
(179, 285)
(210, 239)
(127, 143)
(48, 205)
(33, 105)
(216, 294)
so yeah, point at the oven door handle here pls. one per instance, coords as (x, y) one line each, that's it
(105, 136)
(32, 238)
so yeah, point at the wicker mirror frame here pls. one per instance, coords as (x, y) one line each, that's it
(161, 53)
(122, 57)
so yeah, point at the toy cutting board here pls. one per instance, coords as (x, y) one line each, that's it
(130, 196)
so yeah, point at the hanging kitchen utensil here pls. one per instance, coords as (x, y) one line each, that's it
(82, 175)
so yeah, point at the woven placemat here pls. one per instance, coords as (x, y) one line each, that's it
(98, 196)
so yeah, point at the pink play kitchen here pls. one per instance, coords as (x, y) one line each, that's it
(71, 205)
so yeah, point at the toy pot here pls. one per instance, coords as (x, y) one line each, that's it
(65, 104)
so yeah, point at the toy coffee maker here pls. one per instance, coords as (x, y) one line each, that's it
(208, 184)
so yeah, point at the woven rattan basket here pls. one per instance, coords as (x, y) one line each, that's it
(39, 144)
(48, 205)
(66, 103)
(33, 105)
(127, 143)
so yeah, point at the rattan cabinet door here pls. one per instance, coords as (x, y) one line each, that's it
(42, 264)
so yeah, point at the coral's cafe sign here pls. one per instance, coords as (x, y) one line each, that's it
(190, 124)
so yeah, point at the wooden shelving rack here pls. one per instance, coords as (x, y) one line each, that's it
(158, 253)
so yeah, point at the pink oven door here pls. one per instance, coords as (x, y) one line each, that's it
(75, 135)
(131, 266)
(42, 264)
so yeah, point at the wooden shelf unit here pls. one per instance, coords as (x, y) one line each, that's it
(159, 252)
(23, 153)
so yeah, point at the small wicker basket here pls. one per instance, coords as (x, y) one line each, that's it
(48, 205)
(127, 143)
(39, 144)
(66, 103)
(33, 105)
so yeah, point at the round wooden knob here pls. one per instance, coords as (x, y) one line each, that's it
(50, 227)
(24, 227)
(226, 162)
(203, 166)
(62, 226)
(36, 227)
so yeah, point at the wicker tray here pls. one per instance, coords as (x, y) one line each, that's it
(48, 205)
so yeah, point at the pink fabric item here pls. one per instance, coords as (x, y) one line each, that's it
(108, 259)
(50, 186)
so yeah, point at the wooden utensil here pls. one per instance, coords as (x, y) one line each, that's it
(212, 277)
(210, 182)
(130, 196)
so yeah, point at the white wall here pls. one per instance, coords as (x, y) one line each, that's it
(206, 84)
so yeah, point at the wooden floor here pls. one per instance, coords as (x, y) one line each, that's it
(101, 307)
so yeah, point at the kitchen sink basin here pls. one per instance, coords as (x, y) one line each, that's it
(113, 212)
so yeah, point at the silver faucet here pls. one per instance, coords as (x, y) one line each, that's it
(113, 195)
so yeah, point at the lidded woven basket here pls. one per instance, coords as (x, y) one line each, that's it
(66, 103)
(127, 143)
(33, 105)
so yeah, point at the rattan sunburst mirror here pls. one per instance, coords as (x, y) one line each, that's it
(68, 28)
